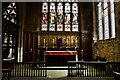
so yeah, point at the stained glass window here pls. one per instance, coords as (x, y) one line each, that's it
(67, 17)
(52, 17)
(10, 12)
(74, 17)
(44, 16)
(59, 17)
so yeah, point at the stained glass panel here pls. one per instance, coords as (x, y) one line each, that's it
(52, 17)
(74, 8)
(67, 8)
(67, 18)
(44, 19)
(52, 7)
(44, 27)
(74, 17)
(59, 27)
(60, 17)
(74, 27)
(45, 8)
(44, 16)
(52, 27)
(59, 8)
(75, 20)
(10, 12)
(60, 22)
(67, 28)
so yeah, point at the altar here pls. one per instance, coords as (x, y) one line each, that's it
(61, 53)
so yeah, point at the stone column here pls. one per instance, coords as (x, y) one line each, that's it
(94, 23)
(39, 22)
(82, 18)
(22, 14)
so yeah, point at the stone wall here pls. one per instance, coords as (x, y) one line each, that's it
(110, 49)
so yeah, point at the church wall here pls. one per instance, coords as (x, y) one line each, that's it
(110, 49)
(33, 25)
(32, 16)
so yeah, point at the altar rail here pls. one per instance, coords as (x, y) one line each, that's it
(26, 69)
(92, 68)
(75, 69)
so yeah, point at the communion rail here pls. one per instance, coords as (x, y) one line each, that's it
(25, 69)
(92, 68)
(75, 69)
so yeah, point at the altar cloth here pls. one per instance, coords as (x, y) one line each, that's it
(60, 53)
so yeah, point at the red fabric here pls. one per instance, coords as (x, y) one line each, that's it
(60, 52)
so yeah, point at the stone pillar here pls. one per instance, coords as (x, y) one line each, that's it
(39, 24)
(82, 18)
(22, 14)
(94, 46)
(94, 23)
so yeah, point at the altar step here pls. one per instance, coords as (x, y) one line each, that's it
(69, 78)
(57, 72)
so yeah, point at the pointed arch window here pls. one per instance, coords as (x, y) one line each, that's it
(10, 12)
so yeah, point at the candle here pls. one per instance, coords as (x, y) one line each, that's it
(67, 41)
(76, 39)
(53, 40)
(44, 41)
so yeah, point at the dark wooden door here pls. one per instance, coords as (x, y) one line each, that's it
(30, 47)
(87, 45)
